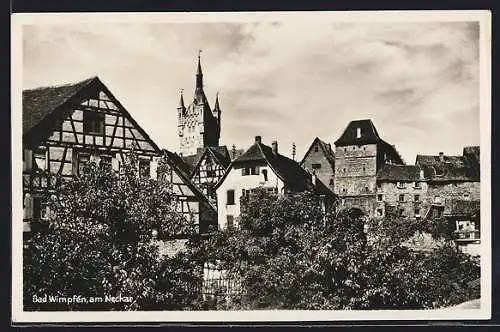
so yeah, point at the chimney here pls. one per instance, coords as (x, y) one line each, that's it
(258, 139)
(441, 156)
(275, 147)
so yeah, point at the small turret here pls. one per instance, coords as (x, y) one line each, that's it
(217, 111)
(181, 110)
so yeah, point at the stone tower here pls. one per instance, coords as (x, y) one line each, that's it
(359, 154)
(198, 125)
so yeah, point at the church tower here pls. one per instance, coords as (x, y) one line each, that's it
(198, 125)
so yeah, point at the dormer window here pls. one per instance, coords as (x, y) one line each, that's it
(358, 132)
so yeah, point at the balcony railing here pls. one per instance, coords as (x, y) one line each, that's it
(464, 236)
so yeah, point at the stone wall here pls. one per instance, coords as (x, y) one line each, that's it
(355, 175)
(414, 197)
(317, 157)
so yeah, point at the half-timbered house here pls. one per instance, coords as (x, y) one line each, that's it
(66, 126)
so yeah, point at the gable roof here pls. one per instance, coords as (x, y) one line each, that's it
(451, 168)
(288, 170)
(325, 147)
(191, 162)
(368, 135)
(44, 107)
(40, 102)
(390, 172)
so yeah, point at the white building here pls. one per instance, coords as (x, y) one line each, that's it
(261, 167)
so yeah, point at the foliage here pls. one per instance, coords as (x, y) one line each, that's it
(288, 255)
(101, 241)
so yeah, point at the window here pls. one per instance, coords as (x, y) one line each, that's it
(344, 190)
(364, 148)
(401, 185)
(353, 148)
(254, 170)
(93, 122)
(358, 132)
(364, 168)
(211, 173)
(40, 157)
(264, 173)
(466, 195)
(416, 198)
(366, 189)
(316, 148)
(83, 159)
(230, 222)
(331, 182)
(230, 197)
(316, 166)
(417, 212)
(345, 149)
(344, 170)
(380, 212)
(401, 198)
(144, 167)
(379, 185)
(380, 197)
(417, 185)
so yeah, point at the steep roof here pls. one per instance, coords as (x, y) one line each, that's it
(44, 107)
(191, 162)
(288, 170)
(451, 168)
(325, 147)
(390, 172)
(40, 102)
(368, 135)
(179, 162)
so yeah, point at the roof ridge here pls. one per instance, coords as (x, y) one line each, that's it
(63, 85)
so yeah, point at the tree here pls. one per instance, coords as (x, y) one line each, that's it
(101, 243)
(289, 255)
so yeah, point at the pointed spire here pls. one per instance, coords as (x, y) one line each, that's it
(181, 101)
(199, 73)
(216, 106)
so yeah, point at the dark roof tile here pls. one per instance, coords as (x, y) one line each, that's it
(368, 133)
(390, 172)
(41, 102)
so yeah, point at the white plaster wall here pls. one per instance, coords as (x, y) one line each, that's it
(236, 181)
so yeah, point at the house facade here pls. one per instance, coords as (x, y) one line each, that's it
(320, 161)
(262, 166)
(66, 126)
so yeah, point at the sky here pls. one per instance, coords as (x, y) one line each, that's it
(418, 82)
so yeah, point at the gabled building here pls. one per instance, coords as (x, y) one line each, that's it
(208, 168)
(66, 126)
(403, 189)
(320, 161)
(360, 153)
(262, 166)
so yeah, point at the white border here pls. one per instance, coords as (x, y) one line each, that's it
(484, 17)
